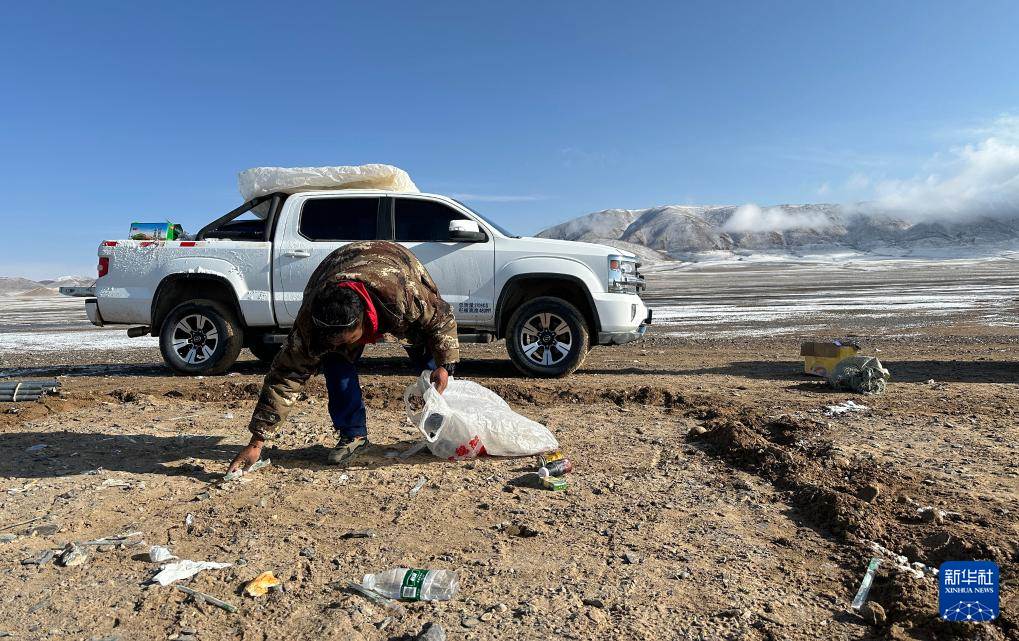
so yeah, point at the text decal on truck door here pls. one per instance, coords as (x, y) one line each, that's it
(474, 307)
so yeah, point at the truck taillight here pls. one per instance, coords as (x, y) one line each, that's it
(104, 266)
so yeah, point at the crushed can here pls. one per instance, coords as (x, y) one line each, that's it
(548, 457)
(553, 483)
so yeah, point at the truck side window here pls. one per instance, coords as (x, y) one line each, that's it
(423, 220)
(330, 219)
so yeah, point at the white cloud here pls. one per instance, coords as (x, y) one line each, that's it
(751, 218)
(823, 189)
(1006, 125)
(494, 198)
(978, 179)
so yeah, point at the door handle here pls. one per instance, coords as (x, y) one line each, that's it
(297, 253)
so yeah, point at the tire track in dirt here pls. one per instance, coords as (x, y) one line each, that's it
(827, 493)
(390, 394)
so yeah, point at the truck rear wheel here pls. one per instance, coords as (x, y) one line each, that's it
(547, 337)
(200, 337)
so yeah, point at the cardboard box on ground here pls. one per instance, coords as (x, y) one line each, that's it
(820, 358)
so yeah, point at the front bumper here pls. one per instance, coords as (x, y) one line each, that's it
(620, 338)
(92, 311)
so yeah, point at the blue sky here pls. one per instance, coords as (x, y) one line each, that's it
(533, 112)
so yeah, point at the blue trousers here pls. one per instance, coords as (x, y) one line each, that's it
(346, 404)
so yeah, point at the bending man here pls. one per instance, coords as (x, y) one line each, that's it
(359, 292)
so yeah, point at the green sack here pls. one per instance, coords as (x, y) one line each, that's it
(860, 374)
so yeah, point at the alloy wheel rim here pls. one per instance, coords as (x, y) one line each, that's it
(195, 339)
(546, 339)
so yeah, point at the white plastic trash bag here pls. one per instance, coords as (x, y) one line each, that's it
(468, 420)
(260, 181)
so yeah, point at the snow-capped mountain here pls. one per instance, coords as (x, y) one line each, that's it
(681, 231)
(70, 281)
(25, 287)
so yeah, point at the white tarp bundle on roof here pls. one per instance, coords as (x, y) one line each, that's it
(260, 181)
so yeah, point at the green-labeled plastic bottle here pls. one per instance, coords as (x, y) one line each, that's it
(409, 584)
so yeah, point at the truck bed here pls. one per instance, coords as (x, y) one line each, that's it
(138, 267)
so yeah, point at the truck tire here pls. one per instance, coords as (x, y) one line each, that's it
(265, 352)
(547, 338)
(200, 337)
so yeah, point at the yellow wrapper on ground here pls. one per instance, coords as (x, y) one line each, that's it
(819, 359)
(261, 584)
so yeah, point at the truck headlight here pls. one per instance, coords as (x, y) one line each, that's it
(623, 275)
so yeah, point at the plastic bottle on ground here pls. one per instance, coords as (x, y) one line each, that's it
(410, 584)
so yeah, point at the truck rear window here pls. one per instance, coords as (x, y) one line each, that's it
(330, 219)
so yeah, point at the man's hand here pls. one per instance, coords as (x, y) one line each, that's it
(248, 456)
(440, 378)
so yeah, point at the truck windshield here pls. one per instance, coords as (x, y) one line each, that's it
(502, 230)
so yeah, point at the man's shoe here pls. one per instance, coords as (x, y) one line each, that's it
(347, 448)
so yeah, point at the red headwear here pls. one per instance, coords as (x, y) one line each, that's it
(370, 334)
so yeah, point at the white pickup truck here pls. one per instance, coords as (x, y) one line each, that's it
(239, 283)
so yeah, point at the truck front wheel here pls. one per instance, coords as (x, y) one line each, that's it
(200, 337)
(547, 337)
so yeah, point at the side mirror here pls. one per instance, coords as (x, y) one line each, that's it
(466, 231)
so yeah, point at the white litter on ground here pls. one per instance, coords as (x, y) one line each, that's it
(901, 564)
(185, 570)
(844, 408)
(158, 553)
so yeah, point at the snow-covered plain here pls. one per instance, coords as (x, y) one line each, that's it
(56, 324)
(72, 340)
(772, 296)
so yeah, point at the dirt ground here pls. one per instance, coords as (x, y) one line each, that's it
(712, 499)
